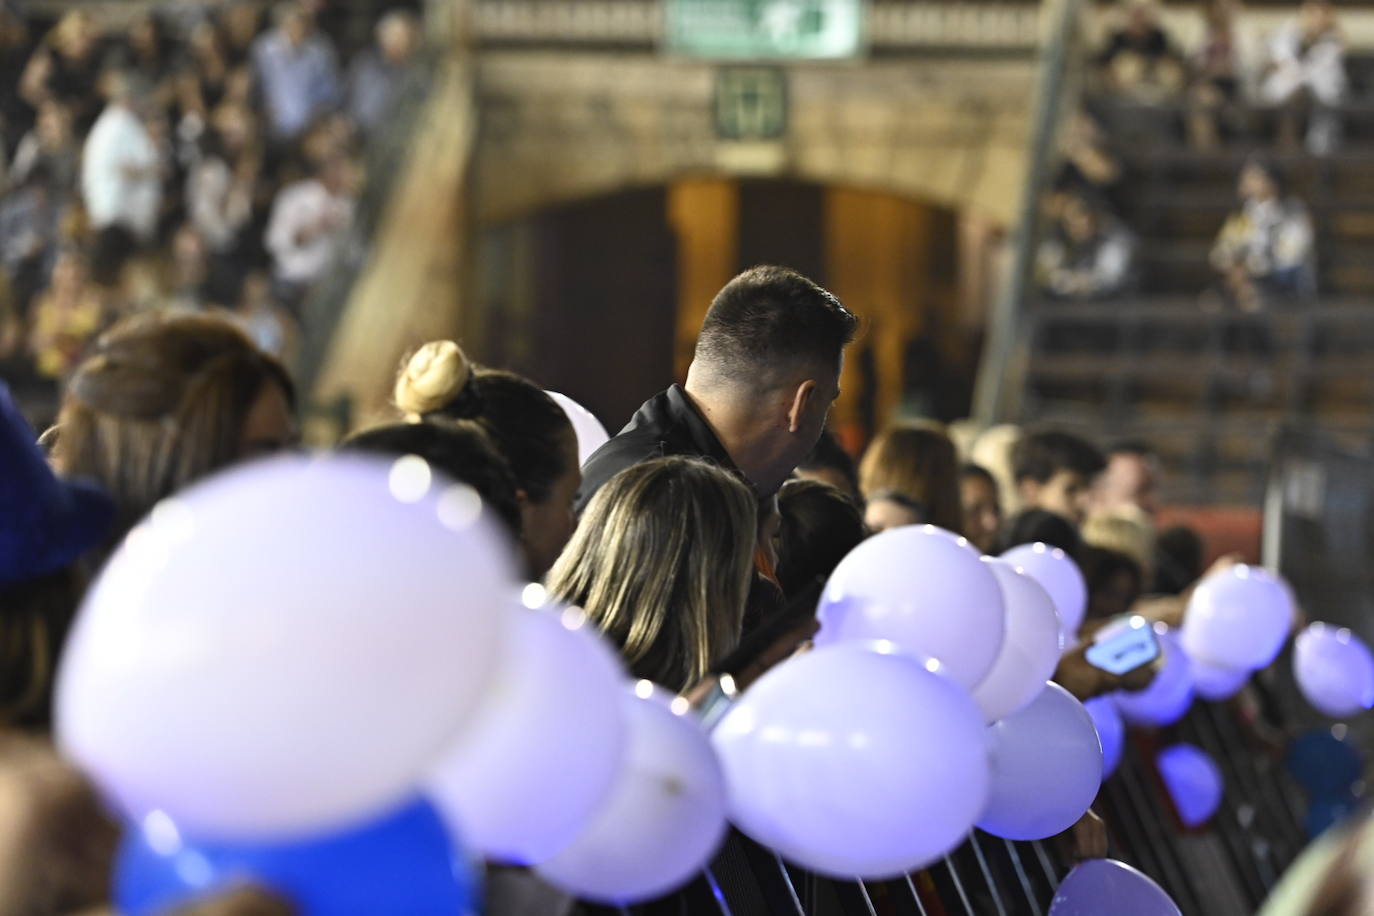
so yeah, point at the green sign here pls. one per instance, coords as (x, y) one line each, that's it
(751, 103)
(769, 29)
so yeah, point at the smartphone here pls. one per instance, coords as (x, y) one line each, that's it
(1124, 646)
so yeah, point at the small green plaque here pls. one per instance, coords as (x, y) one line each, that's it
(751, 103)
(765, 29)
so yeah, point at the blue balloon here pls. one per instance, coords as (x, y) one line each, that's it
(1193, 780)
(1100, 886)
(1325, 813)
(1323, 764)
(1111, 731)
(405, 862)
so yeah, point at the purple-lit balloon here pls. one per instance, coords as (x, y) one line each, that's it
(1100, 886)
(591, 435)
(1046, 768)
(1334, 670)
(852, 761)
(924, 589)
(1111, 731)
(1171, 692)
(1215, 682)
(1238, 617)
(1193, 780)
(1030, 648)
(1059, 575)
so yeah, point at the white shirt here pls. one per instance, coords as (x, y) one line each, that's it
(121, 181)
(307, 225)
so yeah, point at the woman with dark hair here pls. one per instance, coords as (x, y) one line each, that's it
(1041, 526)
(1115, 582)
(820, 525)
(164, 399)
(982, 506)
(528, 428)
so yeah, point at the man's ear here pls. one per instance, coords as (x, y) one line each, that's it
(801, 399)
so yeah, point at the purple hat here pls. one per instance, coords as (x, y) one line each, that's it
(45, 522)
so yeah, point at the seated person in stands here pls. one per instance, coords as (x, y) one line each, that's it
(1305, 75)
(1265, 249)
(1139, 62)
(1088, 166)
(1221, 77)
(1087, 254)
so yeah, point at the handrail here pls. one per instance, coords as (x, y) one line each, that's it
(1053, 86)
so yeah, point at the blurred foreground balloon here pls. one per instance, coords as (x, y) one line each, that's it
(1171, 692)
(1111, 731)
(1100, 886)
(664, 818)
(851, 761)
(1215, 682)
(924, 589)
(1325, 762)
(286, 647)
(1238, 617)
(1030, 645)
(1046, 768)
(1334, 670)
(1059, 575)
(1325, 813)
(405, 862)
(1193, 780)
(591, 435)
(544, 751)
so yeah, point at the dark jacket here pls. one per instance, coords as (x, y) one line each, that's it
(667, 424)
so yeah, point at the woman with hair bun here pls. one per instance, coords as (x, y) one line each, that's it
(527, 426)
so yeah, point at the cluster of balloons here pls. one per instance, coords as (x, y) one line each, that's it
(370, 712)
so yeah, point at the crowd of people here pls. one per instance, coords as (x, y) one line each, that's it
(1265, 252)
(720, 509)
(204, 157)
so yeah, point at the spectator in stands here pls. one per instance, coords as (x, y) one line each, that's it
(52, 142)
(206, 75)
(1056, 471)
(1222, 76)
(1306, 76)
(1139, 61)
(239, 23)
(30, 215)
(1265, 250)
(1088, 167)
(146, 49)
(830, 463)
(65, 317)
(1087, 255)
(15, 50)
(122, 166)
(1131, 479)
(657, 564)
(188, 284)
(764, 375)
(309, 221)
(820, 526)
(165, 398)
(377, 75)
(297, 70)
(916, 463)
(460, 451)
(66, 68)
(222, 185)
(982, 507)
(269, 325)
(529, 429)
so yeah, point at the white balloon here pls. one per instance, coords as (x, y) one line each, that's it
(851, 761)
(1046, 768)
(1334, 670)
(1238, 617)
(1171, 692)
(544, 751)
(924, 589)
(1030, 647)
(591, 435)
(286, 647)
(1059, 575)
(664, 819)
(1216, 682)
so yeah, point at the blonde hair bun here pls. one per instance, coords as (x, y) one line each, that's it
(433, 377)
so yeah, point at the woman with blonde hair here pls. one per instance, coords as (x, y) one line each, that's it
(528, 428)
(916, 462)
(658, 565)
(164, 399)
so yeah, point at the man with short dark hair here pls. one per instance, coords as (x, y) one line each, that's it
(1055, 471)
(765, 372)
(1131, 480)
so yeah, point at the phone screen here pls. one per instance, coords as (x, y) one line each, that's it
(1123, 647)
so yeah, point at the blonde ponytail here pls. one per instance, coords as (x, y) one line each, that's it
(432, 379)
